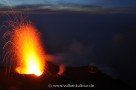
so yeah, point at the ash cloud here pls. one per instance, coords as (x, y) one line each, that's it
(78, 54)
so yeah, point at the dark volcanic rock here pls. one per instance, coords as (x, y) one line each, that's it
(73, 77)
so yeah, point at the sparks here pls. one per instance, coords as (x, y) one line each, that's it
(29, 51)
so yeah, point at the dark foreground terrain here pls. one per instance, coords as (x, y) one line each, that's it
(74, 77)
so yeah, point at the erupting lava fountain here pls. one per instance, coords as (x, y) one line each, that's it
(28, 50)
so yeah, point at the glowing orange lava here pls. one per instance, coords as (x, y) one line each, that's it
(29, 51)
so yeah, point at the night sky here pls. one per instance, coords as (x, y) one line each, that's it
(103, 3)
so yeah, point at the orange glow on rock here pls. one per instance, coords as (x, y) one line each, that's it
(29, 51)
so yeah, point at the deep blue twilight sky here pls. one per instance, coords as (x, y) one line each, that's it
(103, 3)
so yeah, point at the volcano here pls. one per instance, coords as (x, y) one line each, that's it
(73, 77)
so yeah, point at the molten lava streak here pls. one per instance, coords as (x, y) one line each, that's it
(29, 51)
